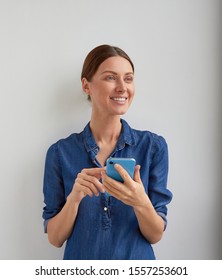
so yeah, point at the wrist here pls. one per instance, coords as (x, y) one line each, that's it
(73, 200)
(144, 203)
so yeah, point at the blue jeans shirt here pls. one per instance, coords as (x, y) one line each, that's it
(106, 228)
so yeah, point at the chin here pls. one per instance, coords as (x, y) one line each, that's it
(120, 113)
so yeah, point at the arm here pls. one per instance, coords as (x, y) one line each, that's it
(150, 223)
(61, 225)
(132, 193)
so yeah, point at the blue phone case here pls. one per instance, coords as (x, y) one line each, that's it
(127, 163)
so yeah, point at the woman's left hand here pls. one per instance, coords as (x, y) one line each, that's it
(131, 191)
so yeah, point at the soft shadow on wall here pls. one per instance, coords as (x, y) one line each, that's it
(220, 175)
(220, 143)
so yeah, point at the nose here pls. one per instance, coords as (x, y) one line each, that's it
(121, 86)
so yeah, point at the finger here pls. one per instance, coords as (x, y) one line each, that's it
(137, 174)
(86, 187)
(106, 180)
(91, 180)
(87, 191)
(123, 173)
(113, 187)
(114, 191)
(82, 189)
(96, 172)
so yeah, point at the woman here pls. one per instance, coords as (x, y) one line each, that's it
(123, 224)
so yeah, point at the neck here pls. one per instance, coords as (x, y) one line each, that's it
(106, 130)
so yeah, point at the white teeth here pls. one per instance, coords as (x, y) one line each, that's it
(119, 98)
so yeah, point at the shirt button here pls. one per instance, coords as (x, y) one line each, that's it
(105, 209)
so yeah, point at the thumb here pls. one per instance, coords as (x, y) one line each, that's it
(137, 174)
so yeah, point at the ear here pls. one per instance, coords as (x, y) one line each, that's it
(85, 86)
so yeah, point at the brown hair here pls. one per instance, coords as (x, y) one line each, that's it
(99, 54)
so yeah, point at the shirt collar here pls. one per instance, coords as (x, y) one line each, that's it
(126, 137)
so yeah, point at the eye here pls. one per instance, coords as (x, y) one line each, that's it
(110, 78)
(129, 79)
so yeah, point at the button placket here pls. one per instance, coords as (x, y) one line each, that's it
(106, 220)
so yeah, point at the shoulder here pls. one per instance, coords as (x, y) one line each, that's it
(65, 143)
(156, 141)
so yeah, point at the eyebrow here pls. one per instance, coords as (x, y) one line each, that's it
(110, 71)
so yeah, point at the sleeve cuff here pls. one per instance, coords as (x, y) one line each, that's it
(45, 225)
(163, 216)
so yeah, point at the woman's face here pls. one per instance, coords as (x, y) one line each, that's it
(111, 89)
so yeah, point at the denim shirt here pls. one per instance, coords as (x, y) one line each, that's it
(105, 227)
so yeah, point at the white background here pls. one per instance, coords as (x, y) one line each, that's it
(176, 48)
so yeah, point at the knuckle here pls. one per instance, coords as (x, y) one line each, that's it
(79, 175)
(94, 180)
(92, 185)
(77, 180)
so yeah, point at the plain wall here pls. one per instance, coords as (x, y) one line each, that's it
(176, 49)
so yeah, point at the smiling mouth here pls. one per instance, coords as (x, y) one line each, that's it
(119, 99)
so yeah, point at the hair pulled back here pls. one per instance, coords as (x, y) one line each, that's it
(99, 54)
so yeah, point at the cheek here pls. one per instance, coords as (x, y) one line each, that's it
(132, 91)
(101, 88)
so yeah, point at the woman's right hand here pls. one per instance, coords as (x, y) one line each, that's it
(87, 183)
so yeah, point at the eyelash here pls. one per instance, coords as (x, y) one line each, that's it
(129, 79)
(110, 77)
(113, 78)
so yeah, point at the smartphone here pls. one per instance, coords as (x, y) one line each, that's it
(127, 163)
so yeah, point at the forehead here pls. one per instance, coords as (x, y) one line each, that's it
(116, 64)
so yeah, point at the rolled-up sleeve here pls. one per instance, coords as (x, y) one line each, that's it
(53, 188)
(158, 192)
